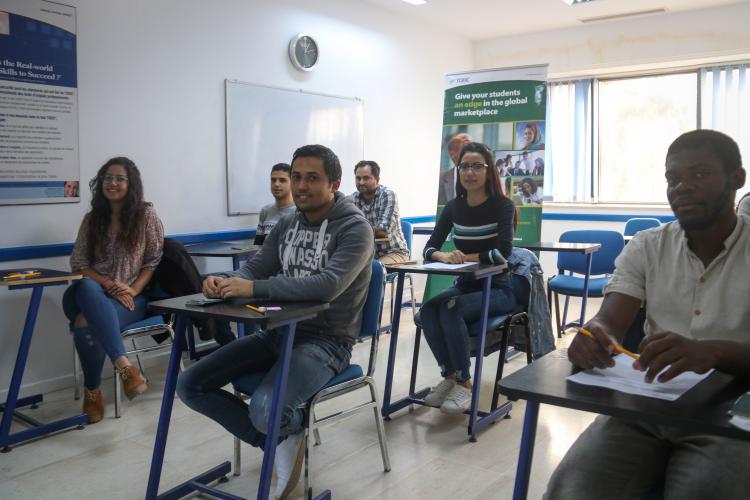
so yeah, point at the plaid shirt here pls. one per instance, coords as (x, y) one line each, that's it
(382, 213)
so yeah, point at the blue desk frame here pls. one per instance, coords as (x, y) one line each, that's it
(200, 482)
(12, 402)
(239, 251)
(478, 419)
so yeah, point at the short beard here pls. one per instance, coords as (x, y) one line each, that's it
(726, 202)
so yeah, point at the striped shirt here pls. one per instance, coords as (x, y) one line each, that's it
(382, 213)
(486, 229)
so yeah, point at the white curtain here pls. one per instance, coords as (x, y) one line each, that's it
(569, 141)
(725, 105)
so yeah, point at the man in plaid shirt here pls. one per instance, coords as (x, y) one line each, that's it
(380, 207)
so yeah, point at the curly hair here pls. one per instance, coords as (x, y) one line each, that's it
(132, 214)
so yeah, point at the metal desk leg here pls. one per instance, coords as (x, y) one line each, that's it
(586, 278)
(386, 409)
(526, 453)
(21, 357)
(279, 395)
(12, 402)
(480, 356)
(162, 429)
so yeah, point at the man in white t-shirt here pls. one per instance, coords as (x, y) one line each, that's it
(283, 204)
(694, 278)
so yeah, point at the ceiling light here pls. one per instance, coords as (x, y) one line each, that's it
(415, 2)
(622, 15)
(573, 2)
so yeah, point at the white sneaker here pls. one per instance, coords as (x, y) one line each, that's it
(290, 455)
(458, 400)
(438, 393)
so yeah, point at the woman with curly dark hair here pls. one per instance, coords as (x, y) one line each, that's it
(119, 245)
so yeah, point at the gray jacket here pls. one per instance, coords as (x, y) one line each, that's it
(524, 263)
(328, 261)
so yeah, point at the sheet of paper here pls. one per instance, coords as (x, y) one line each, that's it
(441, 265)
(741, 422)
(622, 377)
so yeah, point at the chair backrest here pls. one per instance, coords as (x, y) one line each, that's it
(636, 224)
(603, 261)
(407, 231)
(374, 302)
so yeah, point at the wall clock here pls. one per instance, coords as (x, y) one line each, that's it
(304, 52)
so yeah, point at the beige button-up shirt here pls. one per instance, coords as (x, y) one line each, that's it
(681, 294)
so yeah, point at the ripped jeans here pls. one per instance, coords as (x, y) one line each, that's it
(446, 315)
(106, 317)
(315, 360)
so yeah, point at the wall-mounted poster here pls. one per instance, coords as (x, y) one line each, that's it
(38, 103)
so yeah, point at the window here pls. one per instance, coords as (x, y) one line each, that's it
(607, 139)
(638, 120)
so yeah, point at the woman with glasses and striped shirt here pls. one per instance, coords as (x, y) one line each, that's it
(481, 218)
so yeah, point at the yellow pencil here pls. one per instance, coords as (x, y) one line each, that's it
(259, 310)
(618, 347)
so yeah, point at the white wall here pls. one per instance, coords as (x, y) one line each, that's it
(151, 87)
(681, 38)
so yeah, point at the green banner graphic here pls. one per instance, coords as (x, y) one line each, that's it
(506, 110)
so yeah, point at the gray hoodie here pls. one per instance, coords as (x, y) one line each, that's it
(328, 261)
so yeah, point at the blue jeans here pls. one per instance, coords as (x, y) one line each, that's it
(105, 317)
(446, 315)
(315, 360)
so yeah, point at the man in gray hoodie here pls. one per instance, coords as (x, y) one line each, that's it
(324, 252)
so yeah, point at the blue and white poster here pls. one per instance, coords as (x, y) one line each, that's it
(38, 103)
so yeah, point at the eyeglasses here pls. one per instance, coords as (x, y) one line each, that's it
(474, 167)
(114, 179)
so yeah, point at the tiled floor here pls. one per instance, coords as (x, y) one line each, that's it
(430, 455)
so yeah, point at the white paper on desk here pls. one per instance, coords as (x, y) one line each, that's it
(740, 422)
(442, 265)
(624, 378)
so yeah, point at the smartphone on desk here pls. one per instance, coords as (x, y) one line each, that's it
(203, 302)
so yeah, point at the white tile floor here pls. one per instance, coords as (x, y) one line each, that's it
(431, 457)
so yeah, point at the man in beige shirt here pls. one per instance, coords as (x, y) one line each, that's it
(694, 276)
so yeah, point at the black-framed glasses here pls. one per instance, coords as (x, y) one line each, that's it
(474, 167)
(114, 179)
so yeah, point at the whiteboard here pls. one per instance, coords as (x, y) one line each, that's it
(265, 125)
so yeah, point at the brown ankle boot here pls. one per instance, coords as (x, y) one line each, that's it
(133, 382)
(93, 405)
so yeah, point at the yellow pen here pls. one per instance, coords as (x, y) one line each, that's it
(28, 274)
(618, 347)
(259, 310)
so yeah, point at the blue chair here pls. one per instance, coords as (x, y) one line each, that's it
(407, 230)
(636, 224)
(351, 379)
(575, 264)
(496, 337)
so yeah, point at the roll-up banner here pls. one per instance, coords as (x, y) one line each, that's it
(506, 110)
(38, 103)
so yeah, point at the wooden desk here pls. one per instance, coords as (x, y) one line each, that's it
(238, 250)
(285, 320)
(556, 246)
(478, 420)
(423, 230)
(49, 277)
(702, 409)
